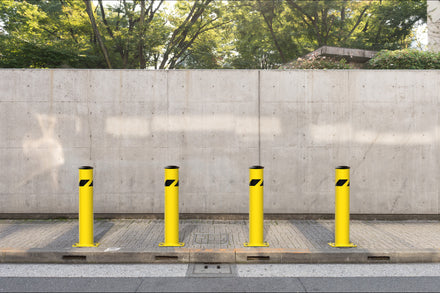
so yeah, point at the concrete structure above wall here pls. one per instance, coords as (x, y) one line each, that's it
(214, 124)
(434, 25)
(349, 54)
(357, 58)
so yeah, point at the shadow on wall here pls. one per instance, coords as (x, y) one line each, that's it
(45, 154)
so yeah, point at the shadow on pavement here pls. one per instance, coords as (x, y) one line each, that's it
(315, 232)
(71, 236)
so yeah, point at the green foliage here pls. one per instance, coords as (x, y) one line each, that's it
(318, 62)
(42, 34)
(405, 59)
(260, 38)
(196, 27)
(21, 54)
(390, 24)
(197, 33)
(132, 43)
(202, 54)
(267, 31)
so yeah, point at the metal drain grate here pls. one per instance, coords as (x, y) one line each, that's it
(379, 257)
(212, 270)
(208, 238)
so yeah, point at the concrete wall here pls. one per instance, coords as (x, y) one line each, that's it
(214, 124)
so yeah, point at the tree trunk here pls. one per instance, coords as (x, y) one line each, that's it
(96, 32)
(142, 64)
(269, 23)
(177, 44)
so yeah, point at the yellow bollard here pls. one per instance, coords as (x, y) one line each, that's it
(171, 207)
(85, 208)
(342, 208)
(256, 219)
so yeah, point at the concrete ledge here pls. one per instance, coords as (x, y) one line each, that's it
(32, 256)
(212, 256)
(241, 255)
(259, 255)
(59, 256)
(221, 216)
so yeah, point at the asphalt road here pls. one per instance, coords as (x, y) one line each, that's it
(222, 278)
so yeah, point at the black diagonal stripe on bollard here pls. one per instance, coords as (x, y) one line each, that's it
(254, 182)
(341, 182)
(169, 182)
(177, 184)
(83, 182)
(91, 184)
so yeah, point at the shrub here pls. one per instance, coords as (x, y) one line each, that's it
(405, 59)
(318, 62)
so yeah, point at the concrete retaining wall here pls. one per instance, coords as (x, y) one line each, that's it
(214, 124)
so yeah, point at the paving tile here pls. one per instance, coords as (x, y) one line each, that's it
(144, 235)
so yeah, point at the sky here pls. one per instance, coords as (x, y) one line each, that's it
(421, 41)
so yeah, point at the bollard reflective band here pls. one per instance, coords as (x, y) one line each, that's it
(341, 182)
(254, 182)
(170, 182)
(84, 182)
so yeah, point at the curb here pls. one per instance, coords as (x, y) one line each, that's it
(238, 255)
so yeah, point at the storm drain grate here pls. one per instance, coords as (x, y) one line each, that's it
(212, 270)
(74, 258)
(379, 257)
(258, 257)
(209, 238)
(166, 257)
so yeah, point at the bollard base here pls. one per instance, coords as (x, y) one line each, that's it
(86, 245)
(179, 244)
(342, 245)
(264, 244)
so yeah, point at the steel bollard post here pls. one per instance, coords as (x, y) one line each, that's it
(256, 213)
(85, 208)
(171, 207)
(342, 208)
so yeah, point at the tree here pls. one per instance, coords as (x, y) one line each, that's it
(262, 35)
(267, 10)
(46, 34)
(197, 33)
(362, 24)
(270, 32)
(144, 36)
(203, 53)
(191, 22)
(127, 26)
(390, 23)
(97, 33)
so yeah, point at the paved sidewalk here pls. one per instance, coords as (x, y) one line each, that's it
(219, 241)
